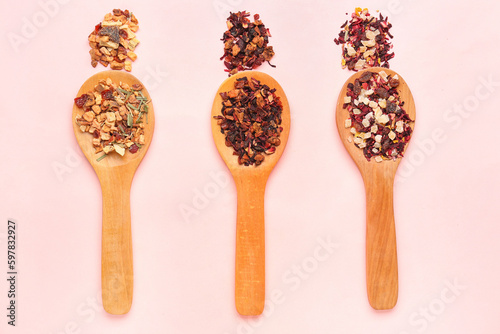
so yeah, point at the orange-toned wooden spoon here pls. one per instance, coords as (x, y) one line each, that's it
(378, 177)
(115, 174)
(250, 185)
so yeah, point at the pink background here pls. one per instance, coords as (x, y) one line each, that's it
(445, 197)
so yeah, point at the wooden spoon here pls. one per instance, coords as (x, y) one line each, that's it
(250, 185)
(115, 174)
(378, 177)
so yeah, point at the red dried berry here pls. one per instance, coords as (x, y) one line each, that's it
(80, 101)
(134, 148)
(107, 94)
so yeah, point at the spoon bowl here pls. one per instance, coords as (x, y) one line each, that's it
(250, 185)
(378, 178)
(115, 175)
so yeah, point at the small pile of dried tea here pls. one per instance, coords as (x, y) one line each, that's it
(113, 41)
(377, 120)
(114, 114)
(245, 43)
(365, 41)
(251, 120)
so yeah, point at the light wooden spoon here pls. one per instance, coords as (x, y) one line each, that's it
(381, 255)
(115, 174)
(250, 185)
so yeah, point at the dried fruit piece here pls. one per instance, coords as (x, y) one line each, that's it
(113, 32)
(117, 65)
(245, 43)
(365, 41)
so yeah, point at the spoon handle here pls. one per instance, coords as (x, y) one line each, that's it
(250, 246)
(116, 263)
(381, 254)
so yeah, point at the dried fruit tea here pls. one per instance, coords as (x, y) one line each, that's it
(251, 120)
(245, 43)
(114, 114)
(113, 41)
(377, 119)
(365, 41)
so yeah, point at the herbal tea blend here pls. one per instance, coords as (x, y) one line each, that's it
(365, 41)
(115, 115)
(251, 120)
(113, 41)
(245, 43)
(377, 119)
